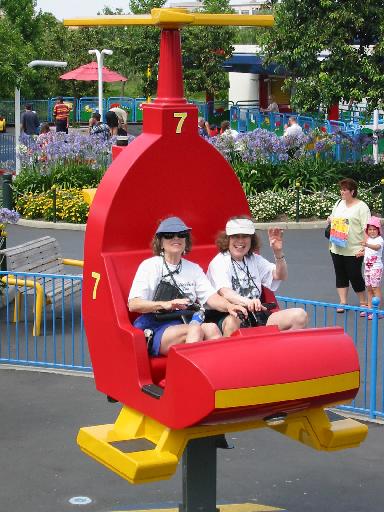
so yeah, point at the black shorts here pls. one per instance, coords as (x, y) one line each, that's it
(215, 317)
(61, 125)
(348, 270)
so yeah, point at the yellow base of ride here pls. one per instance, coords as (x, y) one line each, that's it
(311, 427)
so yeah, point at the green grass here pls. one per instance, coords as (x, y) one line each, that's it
(131, 88)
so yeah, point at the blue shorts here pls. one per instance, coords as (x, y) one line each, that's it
(148, 321)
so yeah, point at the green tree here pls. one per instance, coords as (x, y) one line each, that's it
(331, 50)
(22, 15)
(145, 6)
(14, 57)
(204, 52)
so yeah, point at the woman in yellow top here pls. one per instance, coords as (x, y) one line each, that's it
(348, 220)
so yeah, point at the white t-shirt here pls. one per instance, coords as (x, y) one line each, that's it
(190, 279)
(372, 258)
(230, 133)
(293, 131)
(244, 277)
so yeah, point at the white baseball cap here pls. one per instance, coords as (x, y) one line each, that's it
(240, 227)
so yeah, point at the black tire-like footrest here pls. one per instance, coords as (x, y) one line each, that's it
(153, 390)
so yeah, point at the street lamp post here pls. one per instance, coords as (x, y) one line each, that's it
(32, 64)
(100, 59)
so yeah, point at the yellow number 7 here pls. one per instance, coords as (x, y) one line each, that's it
(182, 117)
(96, 276)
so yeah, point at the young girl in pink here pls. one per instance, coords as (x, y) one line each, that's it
(373, 264)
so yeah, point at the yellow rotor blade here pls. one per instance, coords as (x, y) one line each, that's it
(174, 18)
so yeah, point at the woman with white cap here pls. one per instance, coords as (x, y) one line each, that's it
(171, 241)
(238, 273)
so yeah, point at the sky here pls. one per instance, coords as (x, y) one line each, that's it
(73, 8)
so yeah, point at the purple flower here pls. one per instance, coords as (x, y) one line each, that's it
(8, 216)
(58, 147)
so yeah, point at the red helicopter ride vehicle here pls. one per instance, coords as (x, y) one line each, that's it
(260, 377)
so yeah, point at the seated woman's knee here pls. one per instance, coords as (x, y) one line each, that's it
(296, 318)
(195, 333)
(211, 331)
(230, 325)
(300, 318)
(292, 318)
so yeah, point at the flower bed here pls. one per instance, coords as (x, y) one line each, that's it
(267, 166)
(70, 206)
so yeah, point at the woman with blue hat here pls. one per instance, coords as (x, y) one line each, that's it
(169, 291)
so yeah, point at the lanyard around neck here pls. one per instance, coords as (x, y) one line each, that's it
(246, 271)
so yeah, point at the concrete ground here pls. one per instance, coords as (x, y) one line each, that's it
(42, 468)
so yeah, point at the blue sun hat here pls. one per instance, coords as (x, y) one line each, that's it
(172, 225)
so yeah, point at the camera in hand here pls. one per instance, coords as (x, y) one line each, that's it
(257, 318)
(164, 315)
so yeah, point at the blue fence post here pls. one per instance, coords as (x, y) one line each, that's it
(382, 196)
(374, 345)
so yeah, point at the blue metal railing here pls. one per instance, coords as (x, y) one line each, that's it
(8, 149)
(368, 340)
(62, 342)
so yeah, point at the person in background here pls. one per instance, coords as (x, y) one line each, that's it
(213, 130)
(373, 263)
(44, 134)
(61, 114)
(292, 128)
(44, 128)
(96, 127)
(348, 221)
(112, 121)
(171, 241)
(29, 121)
(238, 273)
(122, 116)
(272, 107)
(227, 131)
(203, 127)
(44, 138)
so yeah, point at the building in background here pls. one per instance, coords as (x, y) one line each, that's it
(251, 81)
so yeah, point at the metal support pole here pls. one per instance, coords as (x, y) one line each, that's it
(374, 351)
(7, 191)
(382, 196)
(3, 245)
(297, 184)
(375, 145)
(54, 204)
(100, 61)
(17, 128)
(199, 472)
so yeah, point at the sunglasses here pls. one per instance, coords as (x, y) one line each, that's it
(169, 236)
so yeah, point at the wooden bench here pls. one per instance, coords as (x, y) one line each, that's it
(40, 256)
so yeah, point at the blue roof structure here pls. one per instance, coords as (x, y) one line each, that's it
(251, 63)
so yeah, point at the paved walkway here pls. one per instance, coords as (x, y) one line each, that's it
(42, 467)
(312, 224)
